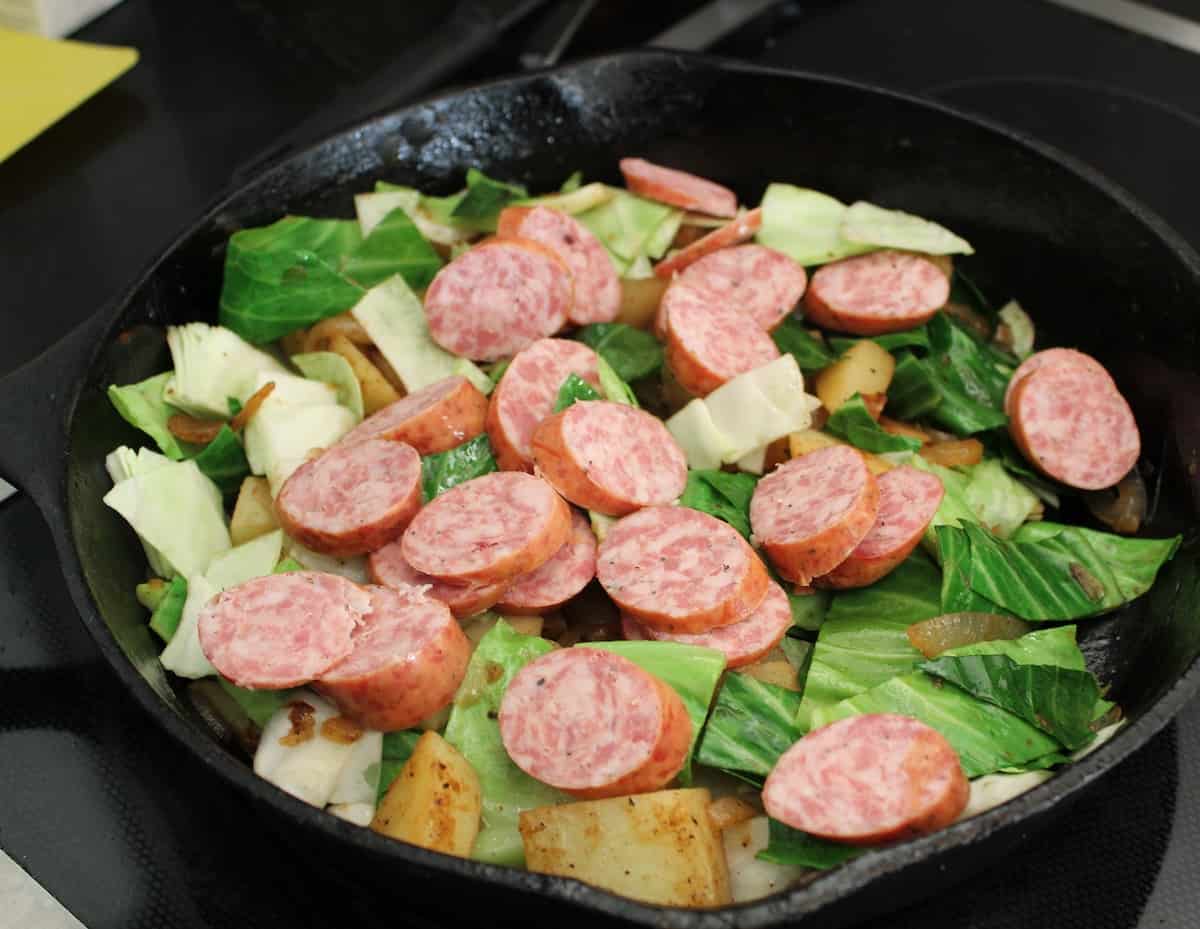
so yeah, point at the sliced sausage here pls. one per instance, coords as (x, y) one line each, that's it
(594, 724)
(353, 498)
(742, 643)
(597, 287)
(709, 341)
(1073, 425)
(609, 457)
(678, 188)
(908, 501)
(868, 779)
(407, 660)
(679, 570)
(757, 281)
(1056, 356)
(388, 568)
(559, 579)
(435, 418)
(885, 291)
(812, 512)
(281, 630)
(488, 530)
(740, 229)
(527, 393)
(497, 298)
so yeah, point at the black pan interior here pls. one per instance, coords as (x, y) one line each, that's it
(1093, 270)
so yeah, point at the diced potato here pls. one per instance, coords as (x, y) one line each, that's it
(658, 847)
(866, 368)
(778, 672)
(254, 512)
(749, 877)
(729, 811)
(958, 453)
(385, 368)
(810, 440)
(639, 300)
(907, 430)
(434, 801)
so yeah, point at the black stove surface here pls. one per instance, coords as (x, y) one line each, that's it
(111, 816)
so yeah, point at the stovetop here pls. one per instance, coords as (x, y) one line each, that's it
(112, 817)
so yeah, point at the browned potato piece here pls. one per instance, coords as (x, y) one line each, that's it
(657, 847)
(865, 368)
(376, 391)
(254, 512)
(434, 802)
(777, 671)
(729, 811)
(957, 453)
(809, 440)
(385, 368)
(640, 299)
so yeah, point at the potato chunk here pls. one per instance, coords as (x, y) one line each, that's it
(865, 369)
(658, 847)
(810, 440)
(254, 512)
(434, 801)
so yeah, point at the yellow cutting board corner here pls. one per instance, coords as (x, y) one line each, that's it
(44, 79)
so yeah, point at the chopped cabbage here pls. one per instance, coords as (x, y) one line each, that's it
(174, 509)
(212, 364)
(866, 224)
(395, 320)
(332, 369)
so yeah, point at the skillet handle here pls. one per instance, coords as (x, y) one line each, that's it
(36, 403)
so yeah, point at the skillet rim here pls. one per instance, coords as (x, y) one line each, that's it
(839, 884)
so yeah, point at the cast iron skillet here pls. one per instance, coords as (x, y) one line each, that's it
(1095, 268)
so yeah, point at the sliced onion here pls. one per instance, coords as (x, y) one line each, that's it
(1121, 507)
(931, 637)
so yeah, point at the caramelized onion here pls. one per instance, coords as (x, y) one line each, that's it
(969, 317)
(190, 429)
(1121, 507)
(874, 404)
(343, 324)
(238, 423)
(931, 637)
(900, 428)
